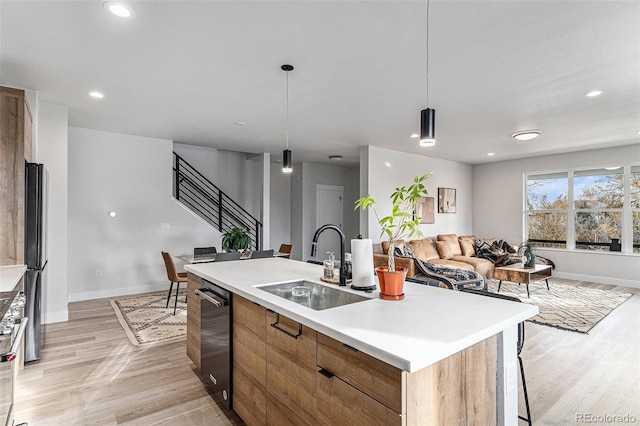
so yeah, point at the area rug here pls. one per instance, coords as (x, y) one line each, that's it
(145, 319)
(564, 306)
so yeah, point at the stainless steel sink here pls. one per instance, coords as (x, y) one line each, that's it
(312, 295)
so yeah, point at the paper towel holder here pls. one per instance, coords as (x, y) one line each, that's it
(366, 289)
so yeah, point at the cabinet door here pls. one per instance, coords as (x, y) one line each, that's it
(249, 398)
(374, 377)
(291, 372)
(193, 319)
(342, 404)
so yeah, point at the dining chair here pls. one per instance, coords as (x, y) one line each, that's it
(224, 257)
(286, 248)
(519, 347)
(174, 277)
(259, 254)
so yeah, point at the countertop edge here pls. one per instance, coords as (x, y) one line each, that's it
(10, 276)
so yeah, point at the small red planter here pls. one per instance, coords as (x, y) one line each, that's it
(391, 283)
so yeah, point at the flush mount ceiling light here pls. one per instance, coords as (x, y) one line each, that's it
(593, 93)
(415, 135)
(96, 95)
(490, 154)
(286, 154)
(335, 157)
(121, 10)
(428, 115)
(527, 135)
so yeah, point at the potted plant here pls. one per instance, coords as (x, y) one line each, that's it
(400, 223)
(527, 249)
(236, 239)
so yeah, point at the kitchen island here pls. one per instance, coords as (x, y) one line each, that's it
(436, 357)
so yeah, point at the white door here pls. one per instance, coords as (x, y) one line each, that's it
(329, 200)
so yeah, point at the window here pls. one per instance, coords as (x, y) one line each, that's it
(593, 209)
(547, 206)
(635, 206)
(598, 201)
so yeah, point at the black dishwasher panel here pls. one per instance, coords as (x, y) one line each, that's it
(215, 340)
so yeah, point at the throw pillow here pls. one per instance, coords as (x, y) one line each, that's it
(452, 240)
(468, 245)
(424, 249)
(444, 250)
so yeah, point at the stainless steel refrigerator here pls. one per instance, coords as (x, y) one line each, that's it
(35, 254)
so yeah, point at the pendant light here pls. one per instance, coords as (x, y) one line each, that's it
(428, 115)
(286, 154)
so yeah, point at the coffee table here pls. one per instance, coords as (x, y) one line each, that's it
(517, 273)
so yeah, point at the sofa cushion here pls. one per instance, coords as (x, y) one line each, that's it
(452, 240)
(484, 266)
(468, 245)
(444, 250)
(398, 243)
(424, 249)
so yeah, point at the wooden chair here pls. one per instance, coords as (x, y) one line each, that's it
(286, 248)
(260, 254)
(174, 277)
(224, 257)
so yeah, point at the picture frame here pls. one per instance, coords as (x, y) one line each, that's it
(447, 200)
(425, 210)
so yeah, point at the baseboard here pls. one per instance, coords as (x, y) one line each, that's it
(115, 292)
(597, 279)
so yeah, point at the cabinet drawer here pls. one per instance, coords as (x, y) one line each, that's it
(383, 382)
(342, 404)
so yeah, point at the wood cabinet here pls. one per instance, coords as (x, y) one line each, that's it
(193, 319)
(15, 146)
(291, 372)
(249, 397)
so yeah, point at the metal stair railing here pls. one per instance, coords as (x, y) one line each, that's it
(210, 203)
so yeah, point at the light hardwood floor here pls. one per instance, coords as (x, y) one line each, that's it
(91, 375)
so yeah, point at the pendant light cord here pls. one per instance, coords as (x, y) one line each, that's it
(427, 52)
(287, 109)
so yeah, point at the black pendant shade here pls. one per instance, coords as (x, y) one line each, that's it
(286, 161)
(428, 127)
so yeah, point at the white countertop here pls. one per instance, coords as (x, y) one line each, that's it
(10, 276)
(429, 325)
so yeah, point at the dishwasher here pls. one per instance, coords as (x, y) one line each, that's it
(215, 339)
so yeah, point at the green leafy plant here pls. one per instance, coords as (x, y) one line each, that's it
(527, 245)
(401, 222)
(236, 239)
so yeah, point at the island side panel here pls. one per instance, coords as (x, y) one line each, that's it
(249, 361)
(193, 319)
(459, 390)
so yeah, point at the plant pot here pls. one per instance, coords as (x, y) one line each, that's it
(391, 283)
(530, 259)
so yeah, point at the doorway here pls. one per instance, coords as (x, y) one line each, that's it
(329, 203)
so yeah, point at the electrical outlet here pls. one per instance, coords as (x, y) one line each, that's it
(165, 226)
(98, 273)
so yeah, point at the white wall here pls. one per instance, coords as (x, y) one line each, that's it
(388, 169)
(132, 176)
(306, 177)
(51, 150)
(499, 212)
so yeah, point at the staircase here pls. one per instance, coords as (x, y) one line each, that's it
(206, 200)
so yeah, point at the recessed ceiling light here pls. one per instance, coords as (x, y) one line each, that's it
(335, 157)
(95, 94)
(239, 123)
(491, 153)
(526, 135)
(593, 93)
(119, 9)
(415, 135)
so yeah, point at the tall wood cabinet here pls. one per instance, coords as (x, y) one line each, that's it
(15, 147)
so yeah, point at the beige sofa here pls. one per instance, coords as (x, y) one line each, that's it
(448, 250)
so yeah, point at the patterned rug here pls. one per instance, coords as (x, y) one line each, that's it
(145, 319)
(564, 306)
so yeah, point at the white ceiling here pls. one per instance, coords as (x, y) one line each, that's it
(187, 71)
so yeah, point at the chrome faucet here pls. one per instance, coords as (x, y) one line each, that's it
(314, 246)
